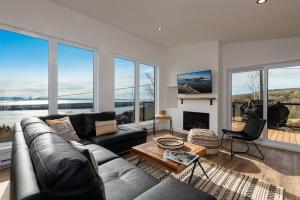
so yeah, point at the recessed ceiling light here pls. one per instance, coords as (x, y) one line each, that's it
(159, 28)
(261, 1)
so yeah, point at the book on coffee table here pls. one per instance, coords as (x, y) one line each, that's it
(181, 157)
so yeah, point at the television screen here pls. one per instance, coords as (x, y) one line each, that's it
(195, 82)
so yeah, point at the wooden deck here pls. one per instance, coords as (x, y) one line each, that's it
(287, 136)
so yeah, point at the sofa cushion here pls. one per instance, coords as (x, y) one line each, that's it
(120, 136)
(90, 119)
(30, 120)
(85, 141)
(123, 180)
(171, 188)
(76, 121)
(63, 172)
(33, 127)
(101, 154)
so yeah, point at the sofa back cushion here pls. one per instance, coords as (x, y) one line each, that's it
(90, 119)
(63, 172)
(33, 127)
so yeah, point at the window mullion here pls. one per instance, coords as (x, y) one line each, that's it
(53, 77)
(137, 92)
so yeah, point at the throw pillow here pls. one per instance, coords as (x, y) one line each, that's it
(105, 127)
(64, 128)
(87, 153)
(89, 120)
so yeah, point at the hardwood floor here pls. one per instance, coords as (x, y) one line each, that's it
(279, 168)
(287, 136)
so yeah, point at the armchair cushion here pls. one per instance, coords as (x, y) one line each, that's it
(240, 135)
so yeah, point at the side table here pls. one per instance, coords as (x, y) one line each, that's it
(163, 117)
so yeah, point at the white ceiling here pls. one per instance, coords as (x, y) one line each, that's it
(190, 21)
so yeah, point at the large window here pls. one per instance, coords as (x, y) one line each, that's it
(125, 90)
(27, 64)
(75, 80)
(147, 92)
(23, 79)
(134, 91)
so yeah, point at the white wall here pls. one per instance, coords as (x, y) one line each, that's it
(251, 54)
(46, 17)
(189, 58)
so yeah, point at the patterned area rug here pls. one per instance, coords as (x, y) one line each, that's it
(223, 183)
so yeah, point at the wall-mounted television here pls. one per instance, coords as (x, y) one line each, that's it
(195, 82)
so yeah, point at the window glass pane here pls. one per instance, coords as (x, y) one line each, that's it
(247, 97)
(147, 92)
(284, 104)
(124, 90)
(23, 79)
(75, 80)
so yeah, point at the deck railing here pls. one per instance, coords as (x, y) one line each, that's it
(294, 109)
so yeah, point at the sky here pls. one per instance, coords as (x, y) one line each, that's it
(24, 67)
(24, 70)
(278, 78)
(125, 76)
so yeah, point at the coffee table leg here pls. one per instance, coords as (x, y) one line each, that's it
(192, 174)
(193, 170)
(139, 162)
(202, 169)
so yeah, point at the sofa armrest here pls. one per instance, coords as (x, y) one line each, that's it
(171, 188)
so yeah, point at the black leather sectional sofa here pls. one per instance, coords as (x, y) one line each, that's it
(45, 166)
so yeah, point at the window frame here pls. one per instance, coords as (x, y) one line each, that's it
(96, 77)
(137, 88)
(53, 68)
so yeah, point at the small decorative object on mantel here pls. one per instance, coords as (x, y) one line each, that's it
(170, 143)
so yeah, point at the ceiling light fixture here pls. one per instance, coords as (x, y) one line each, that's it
(159, 28)
(261, 1)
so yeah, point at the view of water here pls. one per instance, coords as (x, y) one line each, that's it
(9, 117)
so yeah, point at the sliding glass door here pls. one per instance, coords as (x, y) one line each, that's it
(284, 104)
(271, 92)
(247, 97)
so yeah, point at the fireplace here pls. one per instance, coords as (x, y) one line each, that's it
(195, 120)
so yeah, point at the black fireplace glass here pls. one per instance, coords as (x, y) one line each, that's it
(195, 120)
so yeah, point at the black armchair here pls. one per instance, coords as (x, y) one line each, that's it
(251, 132)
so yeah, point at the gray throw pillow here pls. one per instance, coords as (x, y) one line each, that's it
(87, 153)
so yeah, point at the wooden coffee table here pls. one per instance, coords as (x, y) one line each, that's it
(152, 152)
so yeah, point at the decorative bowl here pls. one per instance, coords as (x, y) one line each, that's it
(170, 143)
